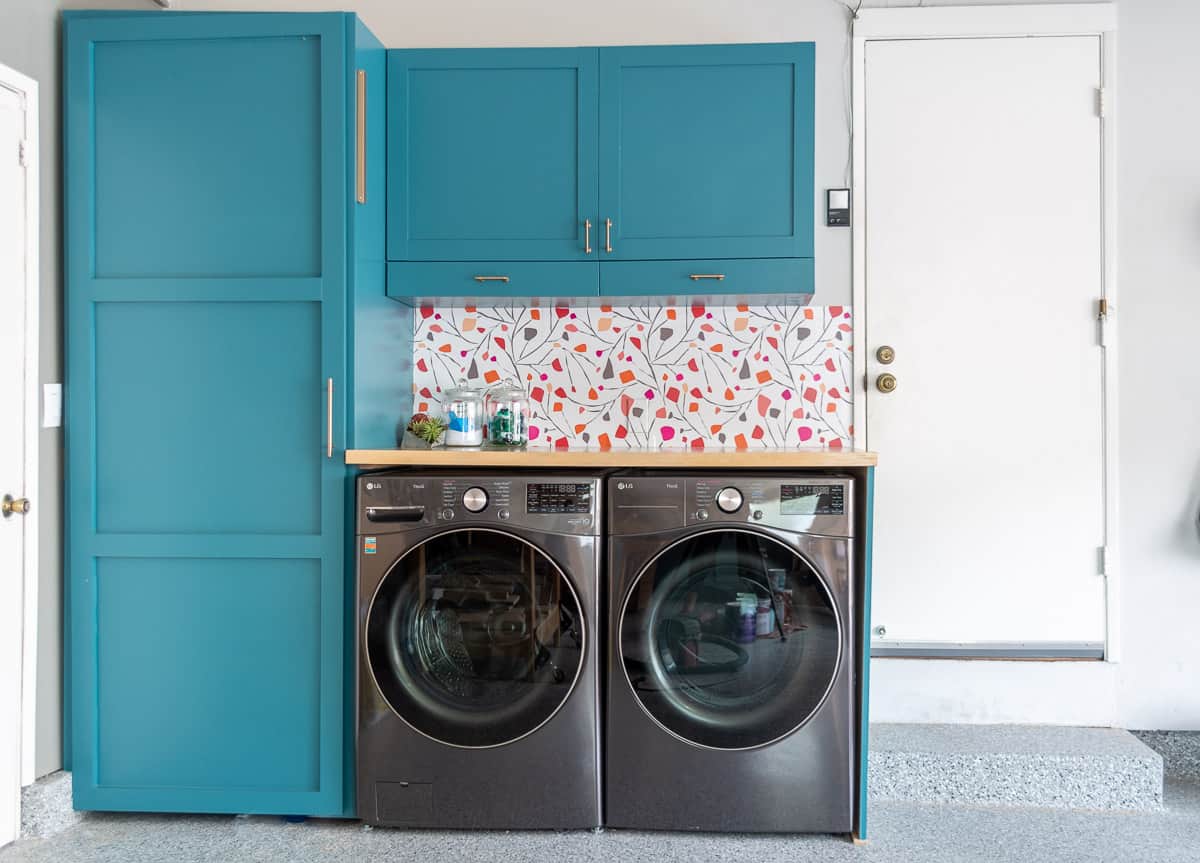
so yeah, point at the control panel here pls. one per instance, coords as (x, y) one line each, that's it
(556, 497)
(816, 504)
(392, 502)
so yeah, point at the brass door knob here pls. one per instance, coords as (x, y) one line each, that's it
(886, 382)
(11, 505)
(885, 354)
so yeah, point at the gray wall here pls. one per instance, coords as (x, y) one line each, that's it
(29, 43)
(1159, 267)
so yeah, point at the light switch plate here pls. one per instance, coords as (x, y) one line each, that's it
(51, 406)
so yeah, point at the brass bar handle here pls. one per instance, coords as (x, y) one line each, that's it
(491, 278)
(587, 236)
(695, 277)
(329, 418)
(608, 236)
(360, 139)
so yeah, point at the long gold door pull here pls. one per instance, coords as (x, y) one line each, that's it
(329, 418)
(608, 236)
(360, 138)
(695, 277)
(587, 236)
(490, 278)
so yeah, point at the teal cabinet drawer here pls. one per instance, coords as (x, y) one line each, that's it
(492, 280)
(706, 151)
(787, 276)
(491, 154)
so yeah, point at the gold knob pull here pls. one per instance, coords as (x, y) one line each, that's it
(587, 236)
(608, 236)
(886, 354)
(14, 505)
(886, 383)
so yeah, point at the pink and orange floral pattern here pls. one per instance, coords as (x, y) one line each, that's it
(652, 376)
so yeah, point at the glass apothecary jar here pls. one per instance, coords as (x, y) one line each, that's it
(508, 409)
(463, 408)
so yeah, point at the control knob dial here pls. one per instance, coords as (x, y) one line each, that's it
(729, 499)
(475, 499)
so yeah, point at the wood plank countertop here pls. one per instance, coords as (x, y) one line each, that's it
(543, 457)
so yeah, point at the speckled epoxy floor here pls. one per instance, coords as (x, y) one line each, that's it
(900, 833)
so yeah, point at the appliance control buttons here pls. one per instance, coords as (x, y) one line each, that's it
(475, 499)
(758, 514)
(729, 499)
(503, 515)
(702, 515)
(447, 514)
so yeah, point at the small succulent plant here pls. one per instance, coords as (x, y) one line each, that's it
(428, 429)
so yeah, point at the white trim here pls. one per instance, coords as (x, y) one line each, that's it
(941, 22)
(28, 88)
(947, 22)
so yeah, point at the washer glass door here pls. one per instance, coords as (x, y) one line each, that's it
(475, 638)
(730, 639)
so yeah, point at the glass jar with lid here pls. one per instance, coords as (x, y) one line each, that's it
(463, 408)
(508, 413)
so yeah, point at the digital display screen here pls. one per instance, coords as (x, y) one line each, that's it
(556, 497)
(812, 500)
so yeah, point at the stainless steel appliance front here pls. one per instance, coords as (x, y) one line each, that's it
(731, 653)
(478, 686)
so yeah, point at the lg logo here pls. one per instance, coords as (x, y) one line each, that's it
(624, 486)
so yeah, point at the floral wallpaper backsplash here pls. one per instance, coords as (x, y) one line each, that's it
(652, 376)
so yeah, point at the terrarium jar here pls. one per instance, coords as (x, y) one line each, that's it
(508, 410)
(463, 406)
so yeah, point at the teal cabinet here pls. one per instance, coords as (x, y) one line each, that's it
(491, 154)
(707, 151)
(675, 153)
(209, 167)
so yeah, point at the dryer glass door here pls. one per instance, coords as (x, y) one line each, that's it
(730, 639)
(475, 638)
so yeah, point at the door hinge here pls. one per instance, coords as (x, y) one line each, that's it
(1104, 560)
(23, 153)
(1102, 317)
(1101, 102)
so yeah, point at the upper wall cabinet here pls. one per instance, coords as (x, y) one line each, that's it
(598, 154)
(706, 151)
(492, 155)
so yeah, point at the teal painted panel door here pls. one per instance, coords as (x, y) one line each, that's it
(207, 191)
(492, 154)
(707, 151)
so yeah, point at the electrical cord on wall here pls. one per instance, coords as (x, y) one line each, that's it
(848, 106)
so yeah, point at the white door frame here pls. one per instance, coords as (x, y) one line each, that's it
(27, 88)
(950, 22)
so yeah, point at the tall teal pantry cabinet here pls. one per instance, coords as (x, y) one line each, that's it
(218, 221)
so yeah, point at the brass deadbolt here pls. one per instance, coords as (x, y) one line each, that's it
(11, 505)
(886, 383)
(885, 354)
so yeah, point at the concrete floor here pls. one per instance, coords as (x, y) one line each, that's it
(900, 832)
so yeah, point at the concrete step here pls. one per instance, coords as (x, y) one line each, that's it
(1015, 765)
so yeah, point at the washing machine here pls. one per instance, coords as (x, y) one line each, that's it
(478, 651)
(730, 681)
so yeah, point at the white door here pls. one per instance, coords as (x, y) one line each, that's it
(12, 451)
(984, 264)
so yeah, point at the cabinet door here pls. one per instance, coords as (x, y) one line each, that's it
(206, 197)
(707, 151)
(491, 154)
